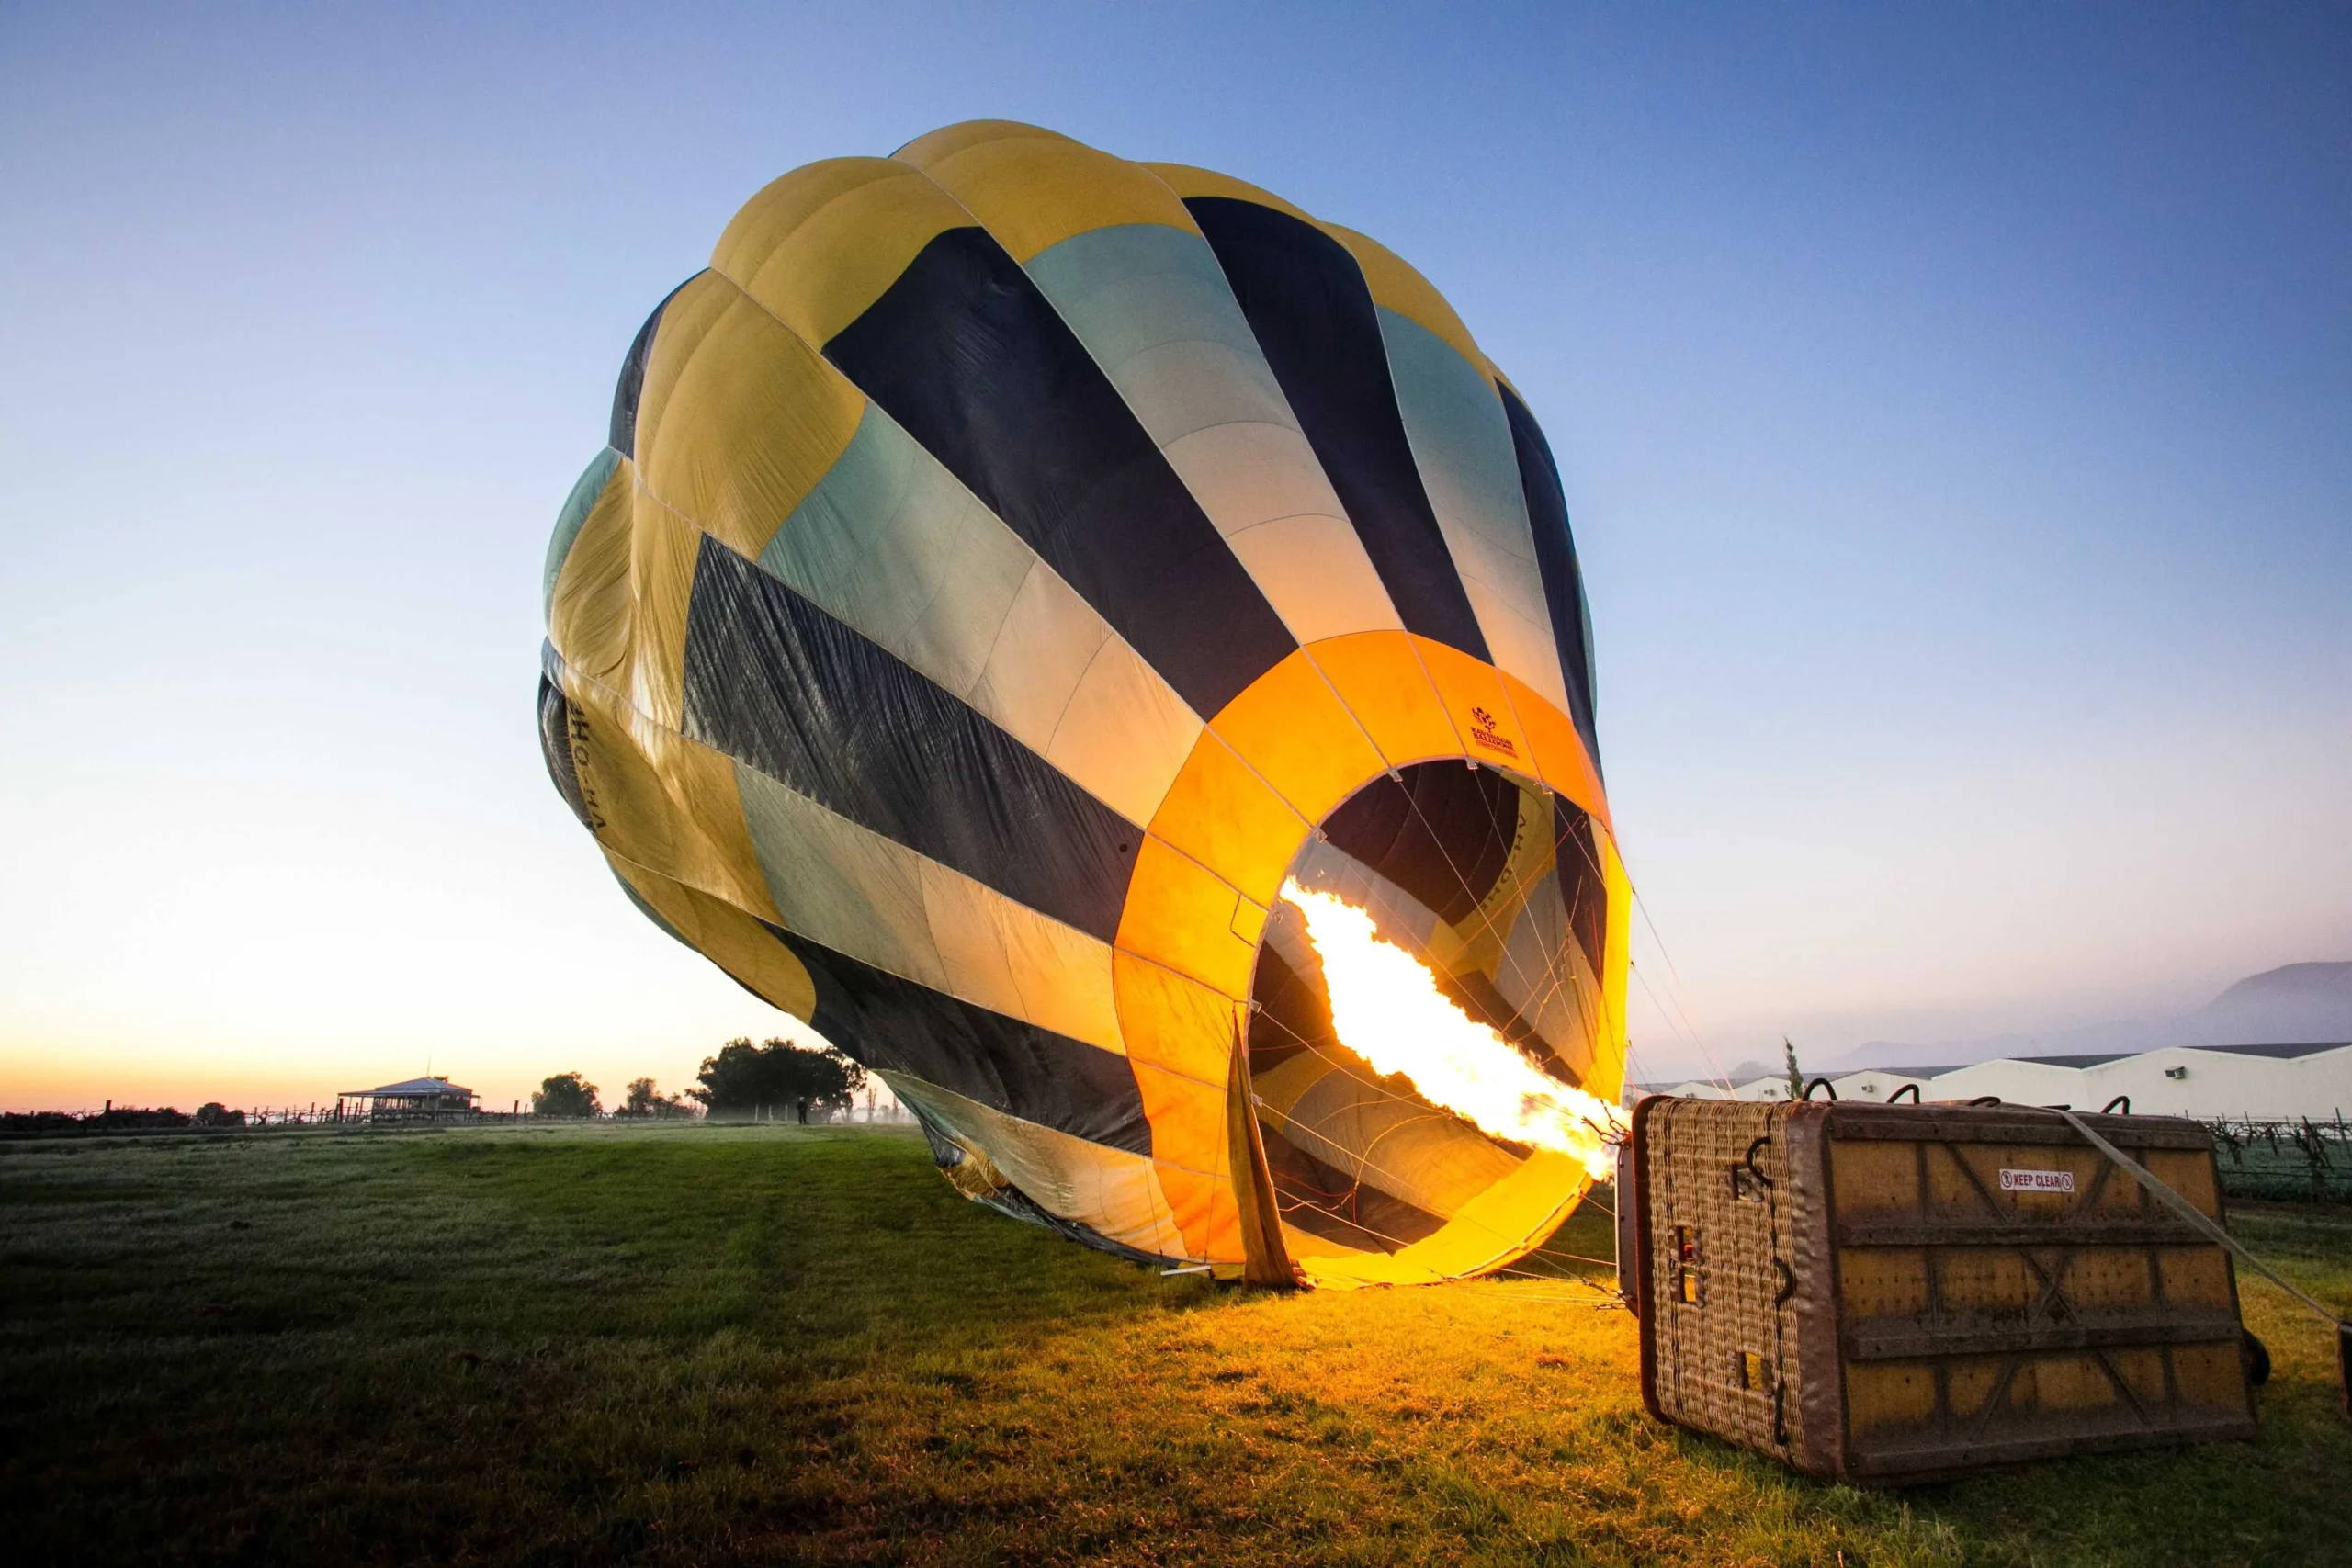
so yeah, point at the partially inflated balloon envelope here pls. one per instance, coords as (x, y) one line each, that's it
(1105, 649)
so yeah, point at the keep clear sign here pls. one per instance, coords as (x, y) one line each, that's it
(2036, 1182)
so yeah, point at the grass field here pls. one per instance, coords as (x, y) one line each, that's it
(696, 1344)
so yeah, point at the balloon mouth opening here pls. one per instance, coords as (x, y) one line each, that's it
(1425, 1004)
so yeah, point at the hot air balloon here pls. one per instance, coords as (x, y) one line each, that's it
(1105, 649)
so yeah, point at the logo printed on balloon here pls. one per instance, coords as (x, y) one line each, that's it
(1483, 734)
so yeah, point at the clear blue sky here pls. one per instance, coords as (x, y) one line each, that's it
(1955, 408)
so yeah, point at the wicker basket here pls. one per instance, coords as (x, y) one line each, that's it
(1884, 1292)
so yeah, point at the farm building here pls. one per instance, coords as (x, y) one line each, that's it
(418, 1099)
(1873, 1083)
(2209, 1082)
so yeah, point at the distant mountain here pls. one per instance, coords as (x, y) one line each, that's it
(2296, 1004)
(2301, 984)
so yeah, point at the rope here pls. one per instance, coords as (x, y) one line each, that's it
(1689, 1025)
(2197, 1217)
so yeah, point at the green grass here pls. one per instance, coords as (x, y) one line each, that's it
(693, 1344)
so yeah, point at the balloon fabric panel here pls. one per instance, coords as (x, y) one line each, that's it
(1025, 1071)
(882, 903)
(1037, 1174)
(1578, 851)
(555, 744)
(1415, 831)
(741, 945)
(585, 493)
(892, 544)
(1555, 553)
(1462, 449)
(774, 682)
(967, 355)
(1153, 307)
(622, 438)
(1306, 300)
(1032, 192)
(820, 245)
(1398, 290)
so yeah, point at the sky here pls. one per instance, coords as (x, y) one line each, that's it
(1954, 406)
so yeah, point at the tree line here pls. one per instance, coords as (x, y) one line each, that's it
(767, 1080)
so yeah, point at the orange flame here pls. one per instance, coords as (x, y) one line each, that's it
(1387, 1010)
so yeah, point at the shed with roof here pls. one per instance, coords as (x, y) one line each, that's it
(416, 1099)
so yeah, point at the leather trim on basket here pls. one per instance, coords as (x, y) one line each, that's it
(1644, 1252)
(1821, 1381)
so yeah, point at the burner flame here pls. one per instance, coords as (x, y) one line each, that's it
(1387, 1008)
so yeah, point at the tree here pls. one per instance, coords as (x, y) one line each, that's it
(566, 1094)
(644, 1100)
(748, 1080)
(1796, 1076)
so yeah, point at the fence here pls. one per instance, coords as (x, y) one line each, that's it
(2286, 1161)
(116, 1120)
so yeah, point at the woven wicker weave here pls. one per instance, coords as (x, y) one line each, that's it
(1725, 1359)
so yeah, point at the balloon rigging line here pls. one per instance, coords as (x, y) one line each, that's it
(1648, 991)
(1579, 1256)
(1424, 1113)
(1555, 978)
(1675, 974)
(1552, 981)
(1486, 919)
(1357, 1182)
(1601, 878)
